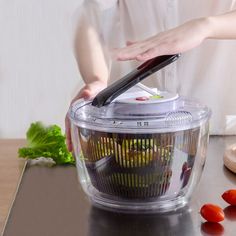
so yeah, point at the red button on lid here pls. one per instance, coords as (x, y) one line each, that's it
(142, 98)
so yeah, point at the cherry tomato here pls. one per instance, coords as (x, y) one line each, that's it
(212, 213)
(230, 196)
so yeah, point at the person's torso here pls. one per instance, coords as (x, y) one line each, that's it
(207, 73)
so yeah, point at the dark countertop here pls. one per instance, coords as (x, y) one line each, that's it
(50, 202)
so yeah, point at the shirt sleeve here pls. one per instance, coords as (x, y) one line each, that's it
(105, 4)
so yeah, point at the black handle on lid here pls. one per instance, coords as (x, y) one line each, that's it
(149, 67)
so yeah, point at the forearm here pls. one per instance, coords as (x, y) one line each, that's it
(222, 26)
(89, 54)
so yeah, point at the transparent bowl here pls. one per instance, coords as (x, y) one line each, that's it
(140, 172)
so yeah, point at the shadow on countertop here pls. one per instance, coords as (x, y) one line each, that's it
(106, 223)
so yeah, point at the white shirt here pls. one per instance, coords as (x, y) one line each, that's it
(207, 73)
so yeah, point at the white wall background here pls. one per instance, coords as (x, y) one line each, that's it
(38, 72)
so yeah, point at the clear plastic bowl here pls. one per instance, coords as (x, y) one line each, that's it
(153, 166)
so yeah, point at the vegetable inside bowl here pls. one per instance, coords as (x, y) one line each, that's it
(140, 152)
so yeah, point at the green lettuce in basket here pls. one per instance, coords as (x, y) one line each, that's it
(46, 142)
(140, 152)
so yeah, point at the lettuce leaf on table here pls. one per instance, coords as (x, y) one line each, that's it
(46, 142)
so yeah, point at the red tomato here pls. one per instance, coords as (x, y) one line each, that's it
(212, 213)
(230, 196)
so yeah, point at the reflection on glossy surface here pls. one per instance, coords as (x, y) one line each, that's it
(229, 174)
(210, 228)
(230, 213)
(106, 223)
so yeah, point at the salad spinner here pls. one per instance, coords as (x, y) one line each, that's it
(139, 150)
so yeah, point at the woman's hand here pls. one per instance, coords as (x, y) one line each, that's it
(177, 40)
(87, 92)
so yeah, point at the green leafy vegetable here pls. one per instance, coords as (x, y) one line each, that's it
(156, 96)
(46, 142)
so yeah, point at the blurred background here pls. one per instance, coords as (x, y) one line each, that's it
(39, 74)
(38, 71)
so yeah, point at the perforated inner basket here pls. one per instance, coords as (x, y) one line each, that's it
(137, 166)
